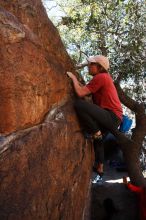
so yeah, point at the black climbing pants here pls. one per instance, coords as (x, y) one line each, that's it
(94, 118)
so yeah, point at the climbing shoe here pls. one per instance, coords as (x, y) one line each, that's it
(97, 137)
(97, 179)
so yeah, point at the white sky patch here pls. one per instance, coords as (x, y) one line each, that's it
(53, 9)
(116, 181)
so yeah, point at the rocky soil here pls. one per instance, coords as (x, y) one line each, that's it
(125, 202)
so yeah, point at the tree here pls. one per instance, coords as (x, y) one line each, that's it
(115, 29)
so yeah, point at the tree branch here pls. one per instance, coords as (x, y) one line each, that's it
(128, 102)
(80, 66)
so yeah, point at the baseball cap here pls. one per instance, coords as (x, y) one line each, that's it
(102, 60)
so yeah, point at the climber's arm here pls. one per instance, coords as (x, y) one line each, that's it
(130, 186)
(134, 188)
(80, 90)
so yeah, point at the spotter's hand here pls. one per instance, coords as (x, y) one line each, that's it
(125, 180)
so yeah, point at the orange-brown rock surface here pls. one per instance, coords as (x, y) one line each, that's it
(45, 162)
(45, 171)
(33, 63)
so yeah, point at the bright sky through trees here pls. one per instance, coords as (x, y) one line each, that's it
(53, 10)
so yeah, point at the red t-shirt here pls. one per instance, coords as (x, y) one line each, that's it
(105, 94)
(142, 199)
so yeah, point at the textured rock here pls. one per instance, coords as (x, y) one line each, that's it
(45, 163)
(33, 65)
(45, 171)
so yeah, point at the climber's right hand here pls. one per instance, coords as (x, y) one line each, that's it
(71, 75)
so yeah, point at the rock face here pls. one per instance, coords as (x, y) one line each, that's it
(45, 162)
(44, 171)
(33, 65)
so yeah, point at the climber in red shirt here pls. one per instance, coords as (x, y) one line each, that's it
(105, 113)
(141, 192)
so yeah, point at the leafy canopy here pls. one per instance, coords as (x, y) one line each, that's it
(111, 28)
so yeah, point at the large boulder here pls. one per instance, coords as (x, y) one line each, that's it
(33, 65)
(45, 171)
(45, 163)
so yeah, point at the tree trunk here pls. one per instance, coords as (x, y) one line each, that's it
(132, 151)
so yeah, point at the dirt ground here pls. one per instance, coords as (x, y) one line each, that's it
(125, 202)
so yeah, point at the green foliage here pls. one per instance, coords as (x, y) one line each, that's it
(112, 28)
